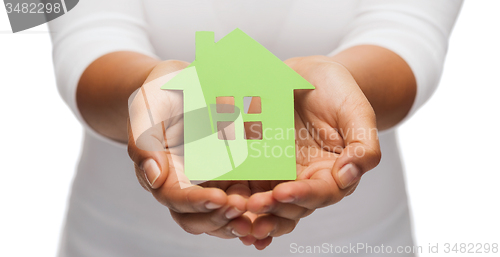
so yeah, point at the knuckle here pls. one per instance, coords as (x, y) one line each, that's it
(186, 225)
(333, 199)
(329, 201)
(290, 227)
(190, 200)
(140, 178)
(351, 190)
(290, 211)
(303, 213)
(285, 226)
(167, 201)
(298, 215)
(191, 230)
(330, 197)
(308, 212)
(378, 155)
(216, 220)
(130, 151)
(375, 156)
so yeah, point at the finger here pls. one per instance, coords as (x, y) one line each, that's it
(170, 187)
(151, 166)
(272, 225)
(252, 216)
(213, 224)
(238, 193)
(263, 243)
(352, 189)
(318, 191)
(152, 169)
(248, 240)
(217, 221)
(190, 199)
(362, 153)
(355, 160)
(156, 168)
(231, 187)
(262, 203)
(239, 188)
(258, 186)
(240, 227)
(155, 116)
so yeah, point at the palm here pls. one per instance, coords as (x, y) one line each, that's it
(313, 152)
(328, 123)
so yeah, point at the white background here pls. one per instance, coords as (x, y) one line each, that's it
(451, 147)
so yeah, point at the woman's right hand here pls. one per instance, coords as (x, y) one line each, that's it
(217, 209)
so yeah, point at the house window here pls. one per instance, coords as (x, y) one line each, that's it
(225, 104)
(225, 130)
(253, 130)
(252, 104)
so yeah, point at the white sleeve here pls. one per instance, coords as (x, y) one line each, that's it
(90, 30)
(416, 30)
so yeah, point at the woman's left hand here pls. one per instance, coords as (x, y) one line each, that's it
(336, 143)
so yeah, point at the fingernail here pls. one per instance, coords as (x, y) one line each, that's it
(233, 213)
(236, 233)
(288, 199)
(266, 209)
(212, 206)
(348, 174)
(152, 171)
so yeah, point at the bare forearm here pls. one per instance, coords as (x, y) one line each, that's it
(385, 79)
(104, 88)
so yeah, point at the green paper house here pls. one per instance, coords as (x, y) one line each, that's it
(239, 70)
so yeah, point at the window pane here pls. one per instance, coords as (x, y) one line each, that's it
(252, 104)
(253, 130)
(225, 104)
(225, 130)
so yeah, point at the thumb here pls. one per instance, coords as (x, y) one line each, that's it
(362, 152)
(151, 167)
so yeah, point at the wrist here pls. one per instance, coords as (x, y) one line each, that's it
(384, 77)
(162, 68)
(104, 88)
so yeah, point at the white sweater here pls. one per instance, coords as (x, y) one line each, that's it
(109, 214)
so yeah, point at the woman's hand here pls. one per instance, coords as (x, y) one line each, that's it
(336, 141)
(216, 208)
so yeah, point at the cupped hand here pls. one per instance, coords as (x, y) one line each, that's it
(216, 208)
(336, 143)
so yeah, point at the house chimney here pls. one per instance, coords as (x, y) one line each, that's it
(204, 40)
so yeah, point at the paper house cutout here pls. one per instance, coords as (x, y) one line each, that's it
(237, 66)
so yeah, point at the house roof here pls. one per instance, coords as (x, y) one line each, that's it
(239, 63)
